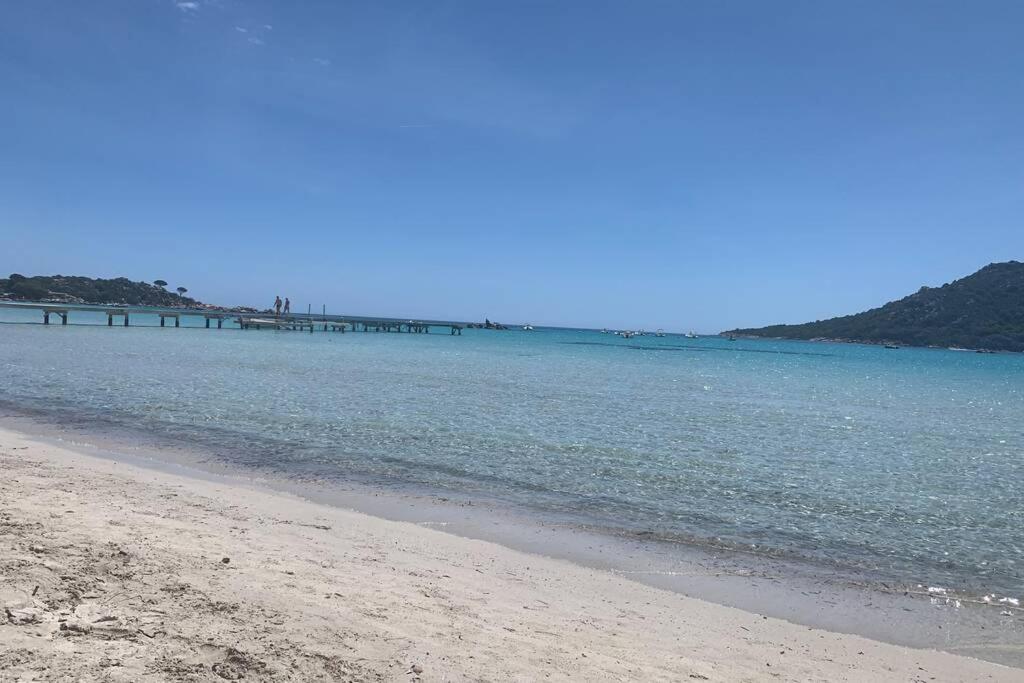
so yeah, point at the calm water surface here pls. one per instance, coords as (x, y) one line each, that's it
(904, 465)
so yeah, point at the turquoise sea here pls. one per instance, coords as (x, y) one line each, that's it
(906, 466)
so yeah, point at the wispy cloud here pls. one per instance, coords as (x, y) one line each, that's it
(187, 6)
(321, 61)
(254, 35)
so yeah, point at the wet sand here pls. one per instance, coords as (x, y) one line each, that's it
(112, 571)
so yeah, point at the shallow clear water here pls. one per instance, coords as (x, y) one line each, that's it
(906, 465)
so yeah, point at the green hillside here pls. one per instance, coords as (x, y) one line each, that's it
(981, 311)
(87, 290)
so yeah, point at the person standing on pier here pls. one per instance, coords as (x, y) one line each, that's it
(287, 306)
(277, 306)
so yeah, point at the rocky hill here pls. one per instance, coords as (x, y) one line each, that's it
(981, 311)
(87, 290)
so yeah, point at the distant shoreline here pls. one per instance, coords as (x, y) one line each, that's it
(864, 342)
(97, 304)
(981, 312)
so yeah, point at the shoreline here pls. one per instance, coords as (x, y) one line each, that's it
(93, 465)
(835, 599)
(402, 500)
(867, 342)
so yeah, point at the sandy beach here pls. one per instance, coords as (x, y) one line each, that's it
(115, 572)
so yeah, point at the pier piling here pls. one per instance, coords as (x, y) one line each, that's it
(62, 312)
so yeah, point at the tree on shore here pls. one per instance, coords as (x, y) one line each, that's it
(160, 283)
(25, 289)
(181, 291)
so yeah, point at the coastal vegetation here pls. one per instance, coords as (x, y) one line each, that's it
(87, 290)
(981, 311)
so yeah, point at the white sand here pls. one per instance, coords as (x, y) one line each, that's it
(114, 572)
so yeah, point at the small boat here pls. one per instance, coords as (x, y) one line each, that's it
(528, 327)
(891, 346)
(957, 348)
(691, 335)
(659, 333)
(732, 337)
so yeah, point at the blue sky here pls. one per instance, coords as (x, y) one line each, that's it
(623, 164)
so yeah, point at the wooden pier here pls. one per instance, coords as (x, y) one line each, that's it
(292, 322)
